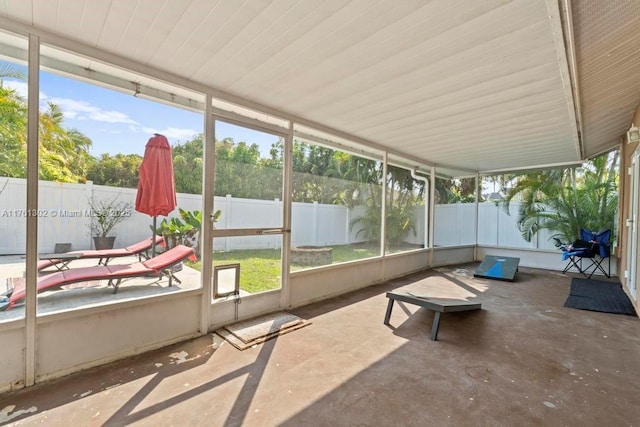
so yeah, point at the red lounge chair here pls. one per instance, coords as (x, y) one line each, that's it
(159, 265)
(104, 256)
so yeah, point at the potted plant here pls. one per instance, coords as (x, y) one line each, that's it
(172, 230)
(184, 230)
(105, 215)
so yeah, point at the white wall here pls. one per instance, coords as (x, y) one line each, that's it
(12, 355)
(452, 255)
(80, 339)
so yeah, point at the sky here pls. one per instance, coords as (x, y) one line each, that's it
(120, 123)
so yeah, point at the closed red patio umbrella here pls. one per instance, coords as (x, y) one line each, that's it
(156, 188)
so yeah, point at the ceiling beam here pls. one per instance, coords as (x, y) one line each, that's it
(570, 49)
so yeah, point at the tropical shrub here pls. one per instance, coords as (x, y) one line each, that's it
(184, 230)
(567, 199)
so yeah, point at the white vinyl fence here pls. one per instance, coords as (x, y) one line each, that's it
(454, 226)
(64, 217)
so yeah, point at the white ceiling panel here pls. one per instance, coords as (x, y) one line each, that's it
(71, 21)
(267, 41)
(227, 17)
(46, 12)
(160, 29)
(179, 40)
(20, 10)
(608, 55)
(120, 18)
(473, 85)
(142, 19)
(92, 19)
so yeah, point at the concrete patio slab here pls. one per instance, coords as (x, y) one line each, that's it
(524, 359)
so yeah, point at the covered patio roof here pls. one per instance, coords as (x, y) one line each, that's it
(468, 86)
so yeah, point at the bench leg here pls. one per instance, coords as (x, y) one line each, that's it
(389, 308)
(436, 325)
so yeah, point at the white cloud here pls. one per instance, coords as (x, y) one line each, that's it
(173, 133)
(75, 109)
(20, 87)
(83, 110)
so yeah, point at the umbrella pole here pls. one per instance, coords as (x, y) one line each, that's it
(153, 239)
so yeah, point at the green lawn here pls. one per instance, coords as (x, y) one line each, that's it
(260, 268)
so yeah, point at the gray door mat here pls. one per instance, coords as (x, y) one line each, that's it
(247, 333)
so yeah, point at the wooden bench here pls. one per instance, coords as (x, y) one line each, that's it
(439, 305)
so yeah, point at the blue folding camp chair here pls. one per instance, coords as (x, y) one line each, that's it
(601, 251)
(592, 246)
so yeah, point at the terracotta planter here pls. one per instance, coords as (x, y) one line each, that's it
(101, 243)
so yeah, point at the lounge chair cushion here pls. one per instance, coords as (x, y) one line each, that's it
(157, 265)
(105, 254)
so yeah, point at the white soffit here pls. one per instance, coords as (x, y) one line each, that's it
(469, 85)
(608, 53)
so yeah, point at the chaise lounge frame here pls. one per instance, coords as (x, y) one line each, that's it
(103, 256)
(160, 265)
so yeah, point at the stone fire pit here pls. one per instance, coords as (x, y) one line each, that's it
(312, 255)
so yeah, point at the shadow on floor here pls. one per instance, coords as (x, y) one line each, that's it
(524, 359)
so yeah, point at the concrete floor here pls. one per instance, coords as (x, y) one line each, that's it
(522, 360)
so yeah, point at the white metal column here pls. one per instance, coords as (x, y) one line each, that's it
(632, 226)
(32, 206)
(383, 206)
(206, 239)
(475, 223)
(287, 181)
(432, 212)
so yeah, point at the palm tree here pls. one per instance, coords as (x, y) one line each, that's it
(403, 193)
(64, 154)
(13, 133)
(13, 124)
(567, 199)
(461, 190)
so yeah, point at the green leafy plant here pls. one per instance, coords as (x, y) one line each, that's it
(399, 221)
(172, 230)
(184, 230)
(403, 194)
